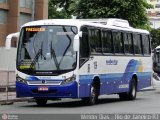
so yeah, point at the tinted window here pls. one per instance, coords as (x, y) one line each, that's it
(137, 43)
(118, 42)
(84, 46)
(98, 42)
(128, 44)
(107, 41)
(95, 40)
(146, 44)
(92, 40)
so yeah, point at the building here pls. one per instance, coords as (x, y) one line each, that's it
(14, 13)
(154, 13)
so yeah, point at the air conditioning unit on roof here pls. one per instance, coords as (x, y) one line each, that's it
(118, 23)
(110, 22)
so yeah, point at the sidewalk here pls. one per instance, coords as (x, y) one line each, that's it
(11, 98)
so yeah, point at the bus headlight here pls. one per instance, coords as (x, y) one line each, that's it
(69, 80)
(19, 79)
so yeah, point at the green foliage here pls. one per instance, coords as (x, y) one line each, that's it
(57, 10)
(155, 35)
(132, 10)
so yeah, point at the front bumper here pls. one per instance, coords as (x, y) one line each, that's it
(54, 91)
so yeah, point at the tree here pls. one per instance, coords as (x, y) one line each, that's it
(155, 35)
(132, 10)
(58, 9)
(61, 8)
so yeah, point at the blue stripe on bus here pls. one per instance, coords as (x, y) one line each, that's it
(110, 82)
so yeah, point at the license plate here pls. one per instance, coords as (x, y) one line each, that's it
(43, 88)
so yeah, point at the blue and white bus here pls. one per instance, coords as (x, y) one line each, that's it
(67, 58)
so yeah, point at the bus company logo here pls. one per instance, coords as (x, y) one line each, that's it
(43, 81)
(112, 62)
(4, 116)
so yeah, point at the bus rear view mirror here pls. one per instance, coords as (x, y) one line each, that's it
(9, 38)
(76, 41)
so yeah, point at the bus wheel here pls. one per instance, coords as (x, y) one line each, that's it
(133, 90)
(93, 98)
(41, 101)
(131, 95)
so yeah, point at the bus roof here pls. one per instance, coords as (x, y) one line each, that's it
(111, 23)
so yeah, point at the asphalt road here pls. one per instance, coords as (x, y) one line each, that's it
(147, 102)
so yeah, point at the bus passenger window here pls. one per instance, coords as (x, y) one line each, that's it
(92, 42)
(95, 40)
(146, 44)
(128, 43)
(137, 44)
(107, 41)
(118, 42)
(84, 46)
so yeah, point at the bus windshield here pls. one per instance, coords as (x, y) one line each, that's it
(46, 48)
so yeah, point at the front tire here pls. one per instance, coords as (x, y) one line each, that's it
(93, 98)
(131, 95)
(41, 101)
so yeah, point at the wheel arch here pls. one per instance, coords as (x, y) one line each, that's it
(135, 78)
(97, 83)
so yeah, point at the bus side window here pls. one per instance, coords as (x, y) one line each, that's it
(107, 41)
(146, 44)
(137, 44)
(98, 42)
(84, 46)
(118, 42)
(92, 37)
(128, 43)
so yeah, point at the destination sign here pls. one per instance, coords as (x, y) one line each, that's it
(35, 29)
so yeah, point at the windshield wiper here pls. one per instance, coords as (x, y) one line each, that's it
(70, 41)
(54, 57)
(39, 53)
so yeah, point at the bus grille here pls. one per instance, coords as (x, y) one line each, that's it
(44, 82)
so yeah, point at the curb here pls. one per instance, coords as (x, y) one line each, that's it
(148, 89)
(12, 101)
(10, 89)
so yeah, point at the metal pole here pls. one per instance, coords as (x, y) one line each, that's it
(7, 84)
(33, 10)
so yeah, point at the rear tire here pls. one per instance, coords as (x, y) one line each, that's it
(41, 101)
(133, 91)
(131, 95)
